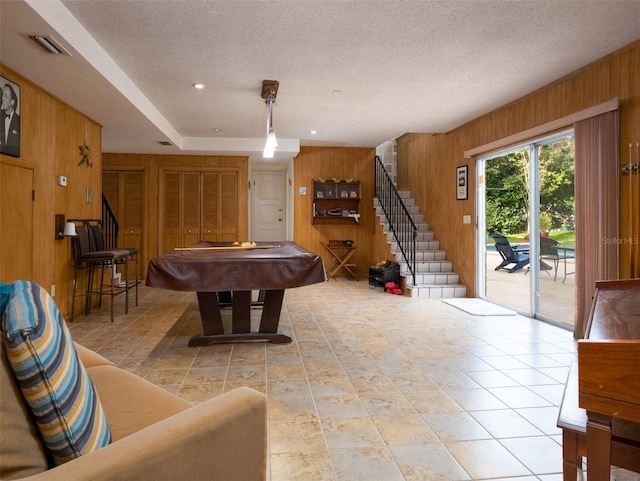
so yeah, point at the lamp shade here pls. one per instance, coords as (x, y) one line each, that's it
(69, 229)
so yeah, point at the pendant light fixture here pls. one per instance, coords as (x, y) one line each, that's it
(269, 94)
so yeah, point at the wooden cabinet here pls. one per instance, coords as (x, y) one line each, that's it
(198, 206)
(336, 202)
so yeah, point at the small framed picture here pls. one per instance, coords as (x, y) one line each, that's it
(353, 194)
(462, 182)
(344, 193)
(319, 194)
(10, 118)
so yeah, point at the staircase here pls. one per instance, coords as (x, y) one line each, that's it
(434, 273)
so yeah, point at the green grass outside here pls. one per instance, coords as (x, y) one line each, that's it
(564, 237)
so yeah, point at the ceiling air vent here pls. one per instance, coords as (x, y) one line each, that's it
(49, 44)
(164, 142)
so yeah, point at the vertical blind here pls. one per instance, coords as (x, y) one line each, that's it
(596, 198)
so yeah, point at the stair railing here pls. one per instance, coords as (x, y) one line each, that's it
(109, 225)
(404, 229)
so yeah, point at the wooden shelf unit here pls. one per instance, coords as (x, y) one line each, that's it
(336, 202)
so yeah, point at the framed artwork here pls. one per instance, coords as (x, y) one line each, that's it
(10, 118)
(462, 180)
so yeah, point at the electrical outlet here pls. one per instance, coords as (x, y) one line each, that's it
(53, 290)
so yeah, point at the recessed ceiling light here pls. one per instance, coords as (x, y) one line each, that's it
(336, 92)
(217, 130)
(198, 86)
(313, 132)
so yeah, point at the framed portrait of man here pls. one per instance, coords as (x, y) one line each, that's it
(10, 118)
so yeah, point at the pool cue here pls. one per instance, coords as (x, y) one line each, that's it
(631, 250)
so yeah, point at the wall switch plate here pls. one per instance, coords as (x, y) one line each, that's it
(62, 181)
(466, 219)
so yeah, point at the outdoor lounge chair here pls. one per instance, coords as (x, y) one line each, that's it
(510, 255)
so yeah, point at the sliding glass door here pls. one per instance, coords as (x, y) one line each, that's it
(524, 190)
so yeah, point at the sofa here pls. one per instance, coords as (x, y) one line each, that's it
(154, 435)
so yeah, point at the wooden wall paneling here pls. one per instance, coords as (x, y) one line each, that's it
(50, 134)
(328, 162)
(613, 76)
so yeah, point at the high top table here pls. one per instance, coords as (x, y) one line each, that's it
(209, 268)
(609, 368)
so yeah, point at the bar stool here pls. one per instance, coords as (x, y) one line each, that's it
(89, 259)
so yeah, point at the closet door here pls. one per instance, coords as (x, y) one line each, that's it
(228, 225)
(124, 191)
(16, 218)
(190, 228)
(199, 206)
(171, 212)
(210, 206)
(132, 213)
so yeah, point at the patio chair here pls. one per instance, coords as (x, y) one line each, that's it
(510, 254)
(549, 252)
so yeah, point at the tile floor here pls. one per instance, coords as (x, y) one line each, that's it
(373, 387)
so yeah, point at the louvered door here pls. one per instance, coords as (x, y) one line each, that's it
(228, 225)
(199, 206)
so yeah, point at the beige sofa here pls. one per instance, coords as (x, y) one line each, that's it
(156, 435)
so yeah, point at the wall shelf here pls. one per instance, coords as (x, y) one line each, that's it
(336, 202)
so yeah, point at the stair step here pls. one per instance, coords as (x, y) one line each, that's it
(420, 246)
(424, 255)
(434, 273)
(424, 278)
(438, 291)
(421, 237)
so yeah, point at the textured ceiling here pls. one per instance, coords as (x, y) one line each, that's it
(397, 65)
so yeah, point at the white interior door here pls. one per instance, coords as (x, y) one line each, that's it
(268, 206)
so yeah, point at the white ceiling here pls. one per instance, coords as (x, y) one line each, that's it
(398, 65)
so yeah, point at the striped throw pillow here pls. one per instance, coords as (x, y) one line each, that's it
(54, 383)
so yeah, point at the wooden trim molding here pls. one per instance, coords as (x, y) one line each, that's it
(542, 129)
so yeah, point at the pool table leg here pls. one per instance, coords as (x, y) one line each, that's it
(241, 319)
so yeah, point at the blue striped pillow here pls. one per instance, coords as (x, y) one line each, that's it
(54, 383)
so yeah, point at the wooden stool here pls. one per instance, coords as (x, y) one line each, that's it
(625, 440)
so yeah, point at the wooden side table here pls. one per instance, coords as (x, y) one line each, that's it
(341, 255)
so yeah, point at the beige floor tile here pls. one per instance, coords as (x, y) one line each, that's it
(296, 436)
(459, 426)
(301, 466)
(371, 385)
(540, 453)
(407, 429)
(429, 461)
(475, 399)
(505, 423)
(486, 458)
(350, 433)
(432, 401)
(365, 464)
